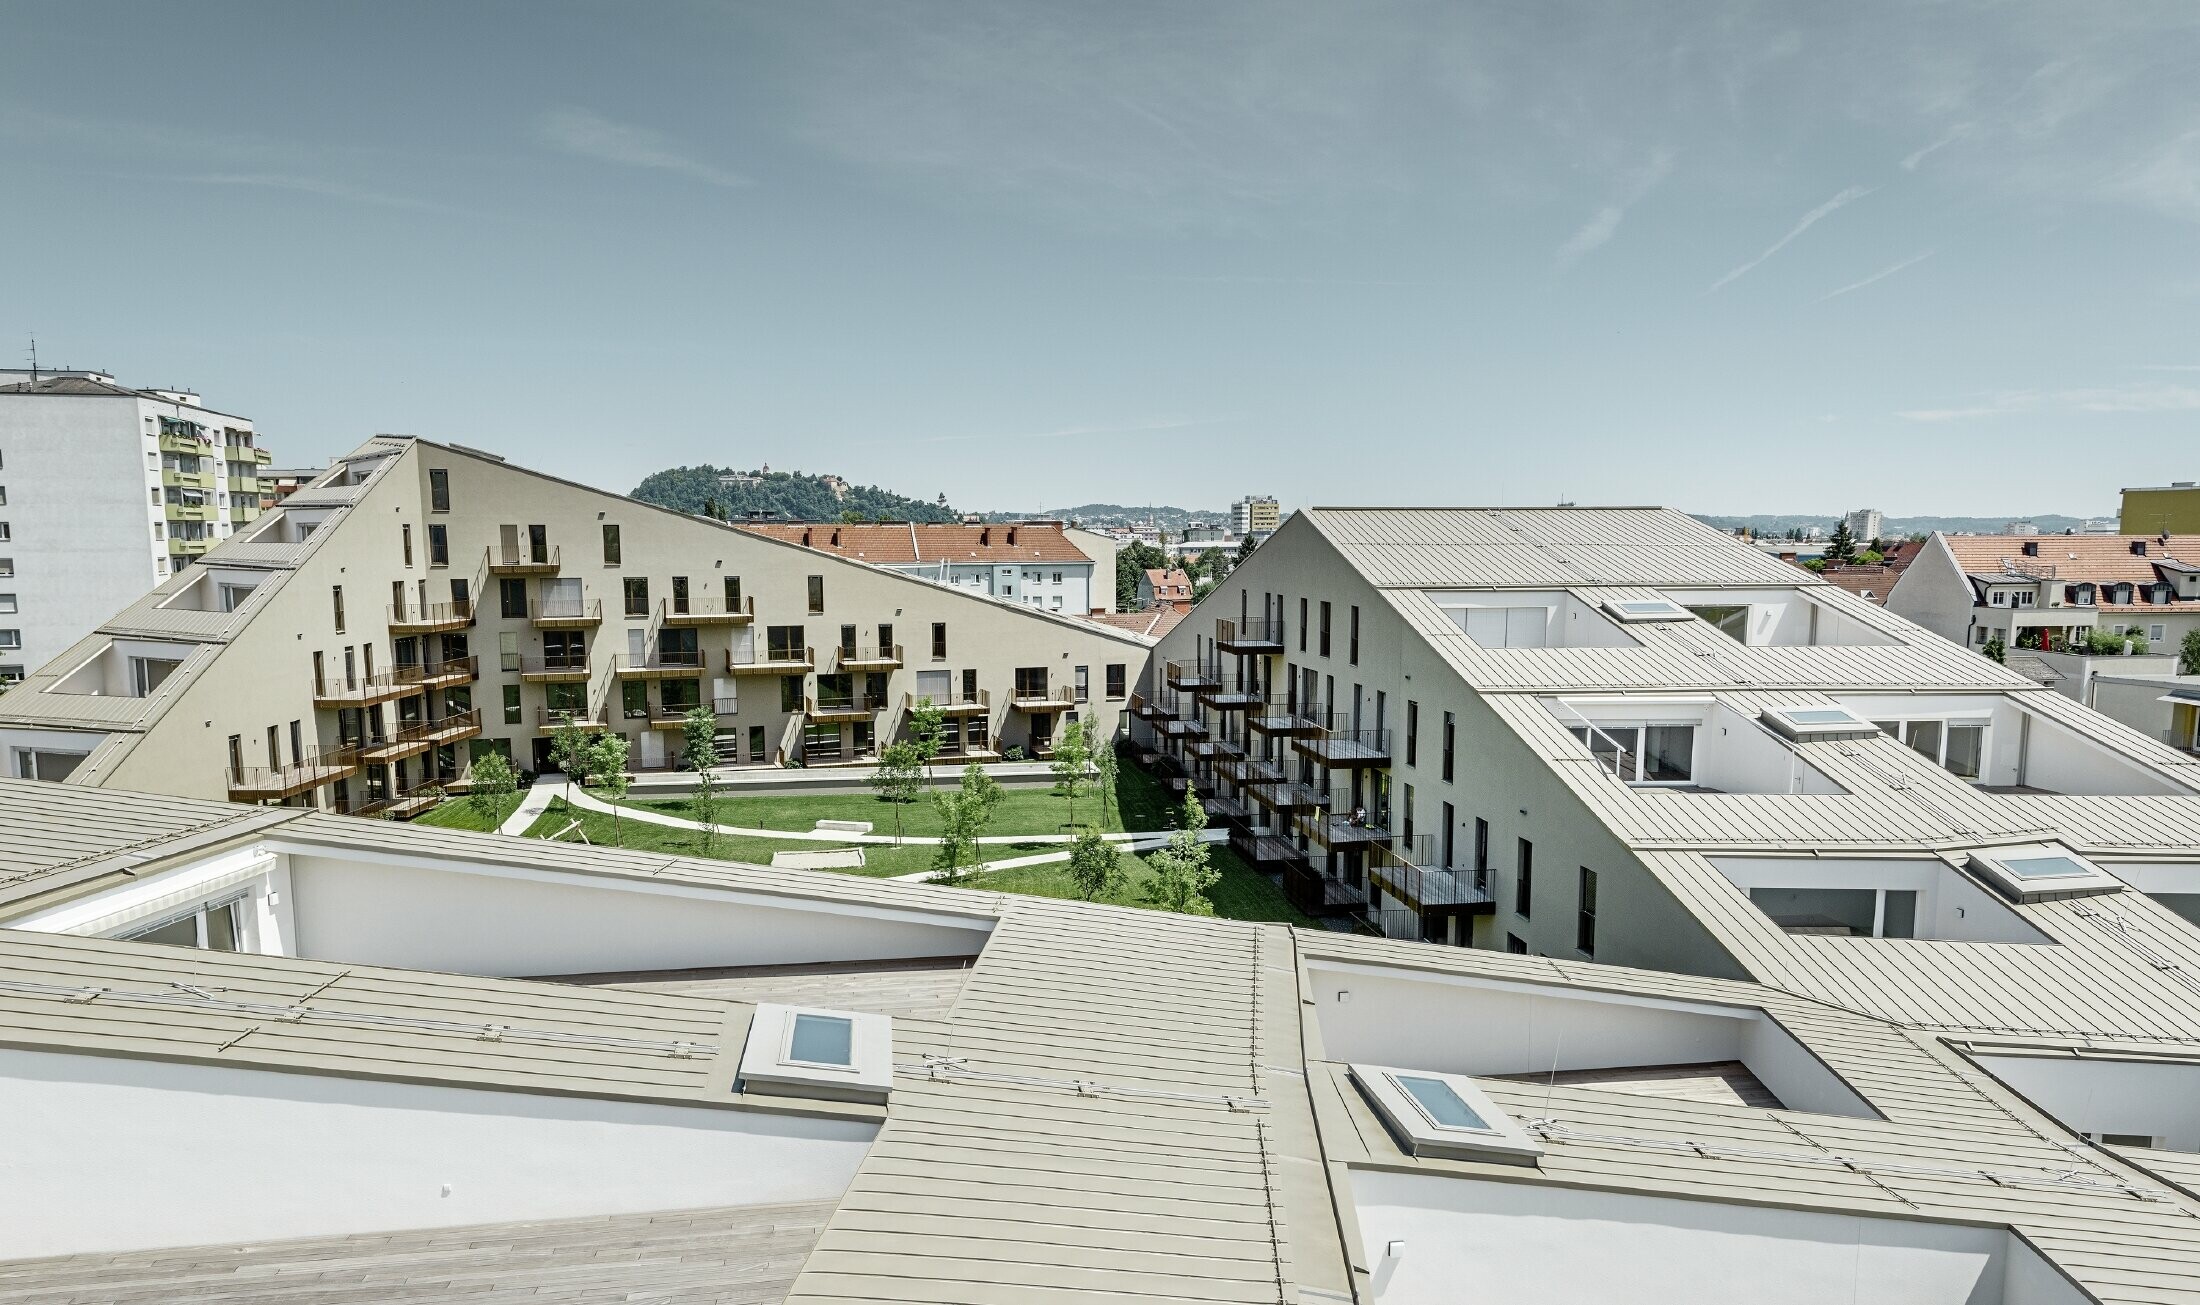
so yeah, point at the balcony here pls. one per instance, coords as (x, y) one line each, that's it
(244, 485)
(701, 612)
(867, 658)
(1266, 851)
(551, 718)
(1231, 694)
(567, 614)
(954, 704)
(418, 736)
(520, 560)
(1337, 745)
(189, 512)
(397, 682)
(1341, 824)
(262, 456)
(853, 707)
(1285, 719)
(431, 618)
(1287, 798)
(673, 716)
(680, 664)
(1319, 894)
(1226, 810)
(1407, 873)
(189, 547)
(1248, 771)
(562, 668)
(1037, 698)
(275, 783)
(187, 479)
(1255, 637)
(1182, 727)
(771, 661)
(1192, 677)
(174, 441)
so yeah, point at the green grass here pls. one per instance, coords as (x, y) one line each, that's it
(1141, 804)
(880, 861)
(459, 813)
(1242, 893)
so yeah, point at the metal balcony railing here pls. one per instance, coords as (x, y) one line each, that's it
(1336, 742)
(408, 734)
(550, 718)
(842, 707)
(1343, 823)
(954, 702)
(313, 768)
(705, 611)
(1286, 716)
(552, 666)
(673, 662)
(522, 559)
(772, 660)
(1254, 635)
(563, 613)
(866, 657)
(429, 617)
(1409, 873)
(1191, 675)
(1036, 696)
(397, 682)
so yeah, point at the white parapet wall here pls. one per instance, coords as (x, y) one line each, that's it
(111, 1154)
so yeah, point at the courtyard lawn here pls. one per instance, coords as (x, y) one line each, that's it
(880, 861)
(459, 813)
(1140, 804)
(1242, 893)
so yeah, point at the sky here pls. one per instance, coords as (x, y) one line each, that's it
(1728, 257)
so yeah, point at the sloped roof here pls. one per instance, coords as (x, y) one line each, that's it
(1540, 548)
(2099, 559)
(913, 542)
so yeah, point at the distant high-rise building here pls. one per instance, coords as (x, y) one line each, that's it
(1865, 524)
(2021, 528)
(1256, 514)
(105, 491)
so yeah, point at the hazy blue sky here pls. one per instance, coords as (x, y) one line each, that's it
(1731, 257)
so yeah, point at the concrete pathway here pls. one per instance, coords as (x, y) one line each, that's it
(533, 803)
(590, 802)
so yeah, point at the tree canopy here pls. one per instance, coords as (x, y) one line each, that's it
(789, 495)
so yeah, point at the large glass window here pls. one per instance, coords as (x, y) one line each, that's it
(1642, 754)
(1731, 620)
(211, 927)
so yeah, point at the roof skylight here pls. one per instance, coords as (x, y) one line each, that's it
(1444, 1115)
(2040, 872)
(818, 1053)
(1648, 609)
(1805, 723)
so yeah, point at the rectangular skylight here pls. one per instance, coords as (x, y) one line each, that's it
(2041, 871)
(818, 1053)
(1444, 1115)
(822, 1040)
(1803, 724)
(1648, 609)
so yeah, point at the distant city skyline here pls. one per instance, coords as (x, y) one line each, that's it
(1744, 257)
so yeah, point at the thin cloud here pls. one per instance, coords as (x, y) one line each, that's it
(1810, 219)
(1600, 228)
(312, 186)
(1880, 275)
(1917, 156)
(2104, 399)
(593, 136)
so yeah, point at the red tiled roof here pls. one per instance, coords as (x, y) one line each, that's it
(2100, 559)
(1151, 624)
(928, 542)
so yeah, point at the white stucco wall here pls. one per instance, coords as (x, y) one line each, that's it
(1462, 1239)
(107, 1154)
(2159, 1099)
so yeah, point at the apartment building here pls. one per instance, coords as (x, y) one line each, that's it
(1034, 563)
(1865, 525)
(419, 603)
(1256, 514)
(104, 492)
(1163, 588)
(2155, 509)
(1663, 749)
(438, 1066)
(2053, 591)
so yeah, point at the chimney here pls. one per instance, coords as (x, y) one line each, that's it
(805, 536)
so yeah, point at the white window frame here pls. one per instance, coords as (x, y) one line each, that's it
(767, 1064)
(1503, 1140)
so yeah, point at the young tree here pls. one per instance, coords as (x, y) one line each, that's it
(569, 749)
(1107, 768)
(963, 817)
(1131, 561)
(899, 774)
(493, 782)
(927, 731)
(1996, 650)
(1213, 563)
(1245, 549)
(1842, 547)
(699, 734)
(606, 760)
(1182, 874)
(2188, 653)
(1071, 758)
(1095, 867)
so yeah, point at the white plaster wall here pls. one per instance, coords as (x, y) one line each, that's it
(109, 1154)
(1934, 593)
(1949, 906)
(1471, 1241)
(2158, 1098)
(519, 922)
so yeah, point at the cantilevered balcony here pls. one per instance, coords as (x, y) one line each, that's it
(674, 715)
(521, 560)
(867, 657)
(1338, 745)
(854, 706)
(1406, 870)
(1229, 693)
(770, 661)
(704, 611)
(556, 668)
(1032, 696)
(316, 767)
(1317, 893)
(1250, 770)
(398, 681)
(1191, 676)
(431, 618)
(566, 613)
(1290, 797)
(1342, 824)
(412, 737)
(551, 718)
(1264, 850)
(678, 664)
(953, 703)
(1285, 719)
(1255, 636)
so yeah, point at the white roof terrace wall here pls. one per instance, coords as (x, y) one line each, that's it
(1934, 593)
(1496, 775)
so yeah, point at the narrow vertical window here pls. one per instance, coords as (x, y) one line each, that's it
(817, 595)
(336, 597)
(439, 489)
(1355, 648)
(1450, 738)
(610, 544)
(1324, 649)
(1524, 880)
(1413, 731)
(939, 641)
(439, 544)
(1585, 925)
(406, 532)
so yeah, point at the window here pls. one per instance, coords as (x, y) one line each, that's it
(1450, 734)
(610, 544)
(1413, 730)
(790, 693)
(1302, 625)
(5, 531)
(511, 704)
(439, 545)
(634, 699)
(1325, 629)
(733, 593)
(2157, 633)
(939, 641)
(827, 1040)
(1729, 619)
(680, 594)
(816, 1053)
(1118, 680)
(637, 595)
(1516, 944)
(1443, 1115)
(336, 597)
(1585, 922)
(406, 533)
(11, 639)
(7, 566)
(1524, 880)
(512, 598)
(1082, 678)
(817, 595)
(1641, 754)
(1355, 635)
(439, 489)
(1451, 829)
(213, 928)
(7, 604)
